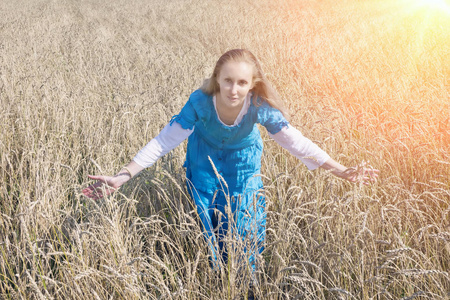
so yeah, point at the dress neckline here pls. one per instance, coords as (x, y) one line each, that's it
(241, 114)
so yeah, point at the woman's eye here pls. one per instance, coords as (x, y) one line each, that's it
(242, 83)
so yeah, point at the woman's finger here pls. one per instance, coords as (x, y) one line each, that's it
(93, 191)
(97, 177)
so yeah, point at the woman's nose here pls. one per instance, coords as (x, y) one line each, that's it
(234, 89)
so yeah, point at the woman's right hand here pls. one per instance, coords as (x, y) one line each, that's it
(104, 186)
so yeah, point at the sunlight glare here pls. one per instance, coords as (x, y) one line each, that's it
(442, 5)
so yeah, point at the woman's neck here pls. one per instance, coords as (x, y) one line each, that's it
(226, 114)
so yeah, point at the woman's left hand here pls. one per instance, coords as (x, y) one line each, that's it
(362, 173)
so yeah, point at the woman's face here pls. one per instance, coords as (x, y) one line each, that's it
(235, 81)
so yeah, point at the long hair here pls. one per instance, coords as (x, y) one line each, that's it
(262, 87)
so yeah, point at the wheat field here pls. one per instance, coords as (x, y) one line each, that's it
(85, 84)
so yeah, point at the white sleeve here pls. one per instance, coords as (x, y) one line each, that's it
(301, 147)
(171, 136)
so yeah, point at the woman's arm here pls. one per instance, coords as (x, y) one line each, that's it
(301, 147)
(312, 156)
(170, 137)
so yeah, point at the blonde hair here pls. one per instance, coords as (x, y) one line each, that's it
(262, 87)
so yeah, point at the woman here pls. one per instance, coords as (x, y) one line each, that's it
(224, 152)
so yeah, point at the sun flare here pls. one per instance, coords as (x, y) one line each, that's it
(441, 5)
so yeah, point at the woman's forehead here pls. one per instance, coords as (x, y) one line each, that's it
(236, 69)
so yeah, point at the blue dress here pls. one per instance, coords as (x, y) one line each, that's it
(222, 164)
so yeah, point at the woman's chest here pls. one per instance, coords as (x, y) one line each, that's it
(221, 136)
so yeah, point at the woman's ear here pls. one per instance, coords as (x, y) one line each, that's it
(255, 82)
(216, 79)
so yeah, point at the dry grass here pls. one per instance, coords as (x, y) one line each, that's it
(84, 85)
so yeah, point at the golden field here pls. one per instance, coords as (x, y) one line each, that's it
(85, 84)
